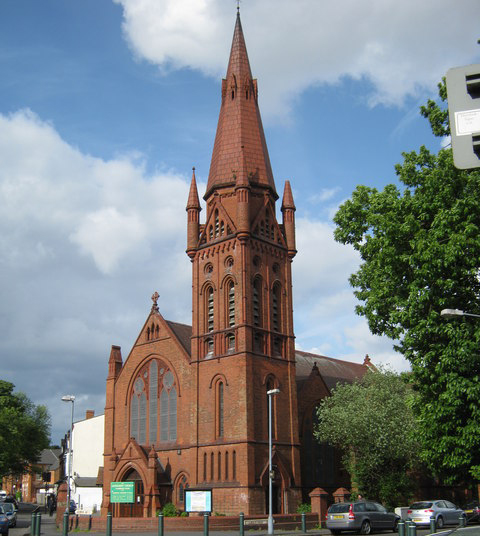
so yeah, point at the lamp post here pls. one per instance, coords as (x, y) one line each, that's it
(453, 313)
(270, 471)
(69, 398)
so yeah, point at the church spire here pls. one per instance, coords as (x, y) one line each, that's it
(240, 154)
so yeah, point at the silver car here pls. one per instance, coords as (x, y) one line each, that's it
(444, 512)
(360, 516)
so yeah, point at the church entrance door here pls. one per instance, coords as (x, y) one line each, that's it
(276, 499)
(132, 509)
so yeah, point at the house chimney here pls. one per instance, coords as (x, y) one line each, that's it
(89, 413)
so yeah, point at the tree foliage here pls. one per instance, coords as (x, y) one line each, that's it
(372, 422)
(24, 431)
(420, 252)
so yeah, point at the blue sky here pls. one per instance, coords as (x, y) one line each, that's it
(105, 106)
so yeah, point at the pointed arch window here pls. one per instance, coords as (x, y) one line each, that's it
(182, 486)
(153, 402)
(142, 424)
(217, 224)
(219, 396)
(257, 302)
(153, 405)
(231, 304)
(210, 309)
(276, 307)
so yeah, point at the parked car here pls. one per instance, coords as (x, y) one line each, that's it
(4, 524)
(9, 499)
(73, 507)
(9, 510)
(472, 511)
(445, 513)
(361, 516)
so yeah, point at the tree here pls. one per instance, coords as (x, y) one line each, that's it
(420, 252)
(372, 422)
(24, 431)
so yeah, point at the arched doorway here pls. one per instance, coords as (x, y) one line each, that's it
(278, 488)
(132, 509)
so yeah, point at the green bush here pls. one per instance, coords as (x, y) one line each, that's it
(169, 510)
(184, 514)
(304, 508)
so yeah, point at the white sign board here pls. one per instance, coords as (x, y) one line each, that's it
(467, 122)
(198, 500)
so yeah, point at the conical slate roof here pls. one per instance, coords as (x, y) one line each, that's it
(240, 153)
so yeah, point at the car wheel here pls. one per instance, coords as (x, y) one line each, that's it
(439, 522)
(366, 528)
(395, 526)
(335, 531)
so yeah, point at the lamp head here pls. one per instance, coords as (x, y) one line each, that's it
(450, 313)
(273, 392)
(68, 398)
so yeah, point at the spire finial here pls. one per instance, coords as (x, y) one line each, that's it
(238, 6)
(155, 297)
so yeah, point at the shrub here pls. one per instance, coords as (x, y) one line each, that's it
(304, 508)
(169, 510)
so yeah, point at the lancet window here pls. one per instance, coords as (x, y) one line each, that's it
(209, 309)
(257, 302)
(276, 307)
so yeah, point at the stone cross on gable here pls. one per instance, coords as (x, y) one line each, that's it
(155, 297)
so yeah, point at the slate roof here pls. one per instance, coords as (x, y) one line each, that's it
(86, 481)
(51, 458)
(183, 332)
(332, 370)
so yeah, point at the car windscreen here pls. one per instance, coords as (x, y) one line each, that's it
(340, 508)
(421, 506)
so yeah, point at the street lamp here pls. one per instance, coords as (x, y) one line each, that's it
(452, 313)
(69, 398)
(270, 472)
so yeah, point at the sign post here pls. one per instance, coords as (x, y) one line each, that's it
(463, 92)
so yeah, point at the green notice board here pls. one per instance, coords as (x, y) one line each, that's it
(122, 492)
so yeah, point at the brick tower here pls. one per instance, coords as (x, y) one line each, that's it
(242, 319)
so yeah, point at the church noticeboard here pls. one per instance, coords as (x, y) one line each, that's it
(198, 500)
(122, 492)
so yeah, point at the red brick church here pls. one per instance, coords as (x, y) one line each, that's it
(188, 407)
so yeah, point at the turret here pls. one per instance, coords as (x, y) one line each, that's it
(193, 211)
(115, 362)
(288, 211)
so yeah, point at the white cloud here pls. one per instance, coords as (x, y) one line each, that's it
(325, 319)
(399, 48)
(84, 242)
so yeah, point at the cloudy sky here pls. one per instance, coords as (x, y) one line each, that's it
(105, 106)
